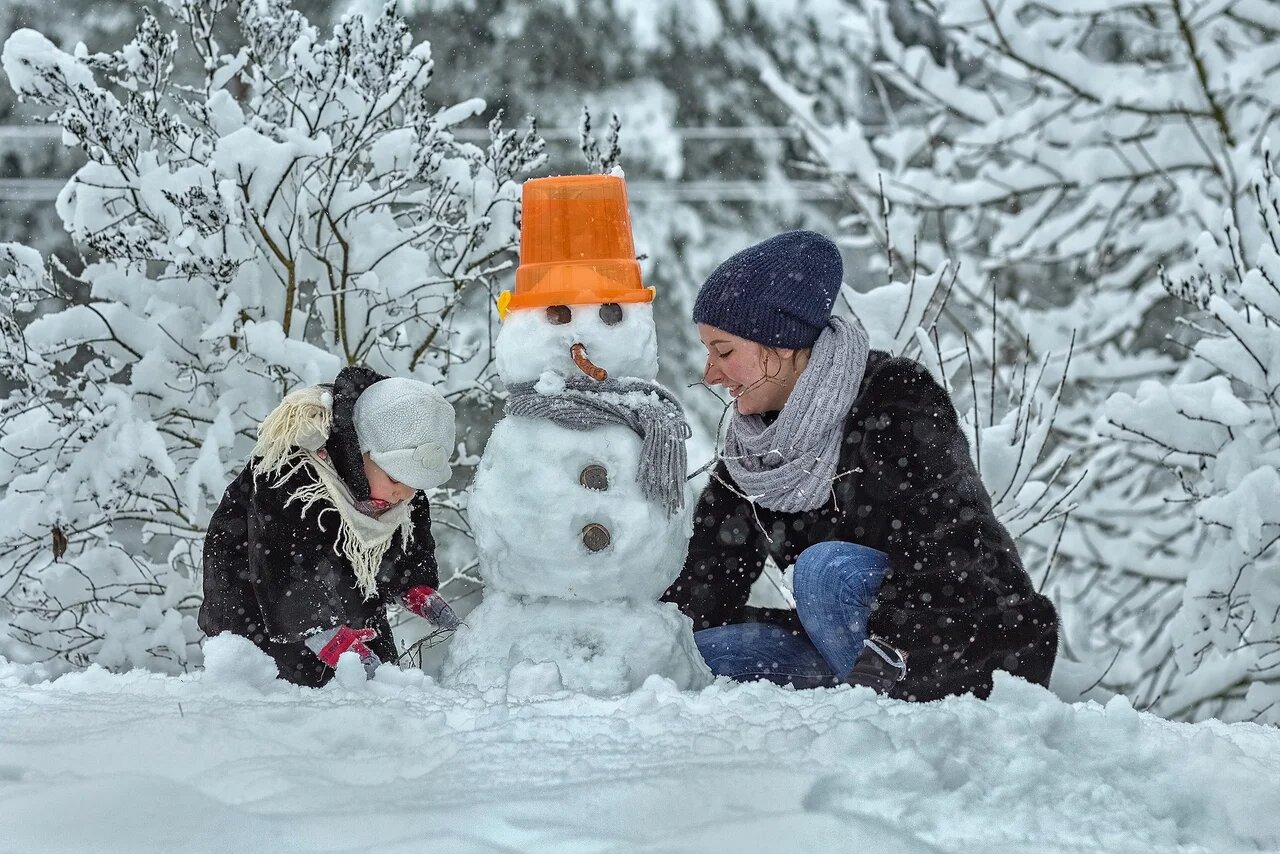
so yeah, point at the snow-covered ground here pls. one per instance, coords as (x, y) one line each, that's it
(230, 760)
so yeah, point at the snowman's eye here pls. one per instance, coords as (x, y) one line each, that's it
(559, 315)
(611, 314)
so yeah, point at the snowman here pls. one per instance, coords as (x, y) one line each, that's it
(579, 507)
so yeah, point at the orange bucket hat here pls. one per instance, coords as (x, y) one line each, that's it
(575, 245)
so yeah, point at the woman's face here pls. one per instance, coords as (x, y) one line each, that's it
(758, 378)
(384, 491)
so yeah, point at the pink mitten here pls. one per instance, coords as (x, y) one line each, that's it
(328, 645)
(428, 604)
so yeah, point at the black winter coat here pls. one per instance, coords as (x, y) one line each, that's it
(273, 576)
(956, 598)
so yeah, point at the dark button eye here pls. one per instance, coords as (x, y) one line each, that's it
(611, 314)
(558, 315)
(594, 477)
(596, 537)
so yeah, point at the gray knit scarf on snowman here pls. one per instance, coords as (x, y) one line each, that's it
(645, 408)
(789, 465)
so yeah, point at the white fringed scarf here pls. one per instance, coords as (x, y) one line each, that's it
(291, 438)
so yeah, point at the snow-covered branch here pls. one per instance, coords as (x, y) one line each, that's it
(1218, 429)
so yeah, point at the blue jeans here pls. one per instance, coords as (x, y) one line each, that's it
(835, 584)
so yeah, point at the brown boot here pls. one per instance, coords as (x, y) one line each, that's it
(878, 667)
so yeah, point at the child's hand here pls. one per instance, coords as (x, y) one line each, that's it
(330, 644)
(428, 604)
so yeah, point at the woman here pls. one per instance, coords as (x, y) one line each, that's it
(849, 465)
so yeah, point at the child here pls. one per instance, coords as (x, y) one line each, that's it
(325, 526)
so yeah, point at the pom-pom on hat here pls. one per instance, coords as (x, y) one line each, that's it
(407, 428)
(778, 293)
(575, 245)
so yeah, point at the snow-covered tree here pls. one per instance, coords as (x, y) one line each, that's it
(1062, 155)
(1077, 140)
(305, 207)
(1217, 427)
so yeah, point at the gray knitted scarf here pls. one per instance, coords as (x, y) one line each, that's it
(789, 465)
(645, 408)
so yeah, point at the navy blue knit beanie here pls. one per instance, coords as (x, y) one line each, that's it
(779, 292)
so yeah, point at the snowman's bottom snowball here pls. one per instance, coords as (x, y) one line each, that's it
(598, 648)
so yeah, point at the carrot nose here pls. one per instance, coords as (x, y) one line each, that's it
(588, 367)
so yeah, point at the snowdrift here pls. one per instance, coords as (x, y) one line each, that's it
(232, 759)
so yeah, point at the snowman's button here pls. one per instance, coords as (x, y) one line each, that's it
(596, 537)
(594, 477)
(611, 314)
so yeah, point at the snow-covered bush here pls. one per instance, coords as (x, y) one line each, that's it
(306, 207)
(1218, 428)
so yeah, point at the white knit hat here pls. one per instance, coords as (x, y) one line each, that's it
(407, 427)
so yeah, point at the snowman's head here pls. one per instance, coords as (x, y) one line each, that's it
(579, 307)
(616, 339)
